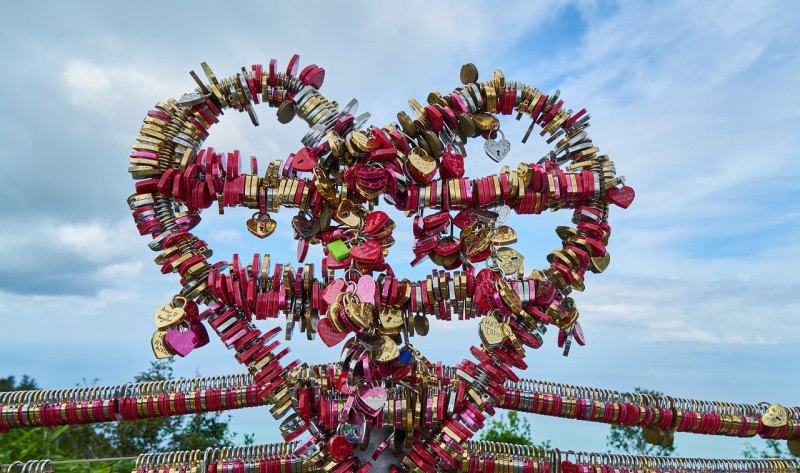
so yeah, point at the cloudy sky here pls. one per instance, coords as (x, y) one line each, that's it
(696, 102)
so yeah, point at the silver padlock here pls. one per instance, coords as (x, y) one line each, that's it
(497, 149)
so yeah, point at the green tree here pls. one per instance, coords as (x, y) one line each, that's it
(629, 440)
(128, 438)
(511, 428)
(774, 449)
(171, 433)
(56, 443)
(10, 384)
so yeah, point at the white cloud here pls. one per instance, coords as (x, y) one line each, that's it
(88, 83)
(675, 92)
(225, 235)
(99, 88)
(98, 242)
(125, 271)
(45, 256)
(723, 312)
(696, 104)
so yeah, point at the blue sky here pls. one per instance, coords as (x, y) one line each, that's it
(696, 102)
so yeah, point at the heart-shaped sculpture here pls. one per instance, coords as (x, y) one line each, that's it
(334, 181)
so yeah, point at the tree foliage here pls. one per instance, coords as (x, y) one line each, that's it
(115, 439)
(511, 428)
(773, 449)
(629, 440)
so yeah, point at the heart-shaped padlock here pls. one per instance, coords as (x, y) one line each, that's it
(261, 225)
(181, 342)
(497, 149)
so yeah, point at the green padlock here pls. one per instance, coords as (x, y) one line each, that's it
(339, 250)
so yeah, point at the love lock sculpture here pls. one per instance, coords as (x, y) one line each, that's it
(336, 180)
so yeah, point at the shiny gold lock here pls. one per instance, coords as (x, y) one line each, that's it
(160, 350)
(491, 331)
(387, 351)
(346, 214)
(509, 260)
(169, 315)
(391, 319)
(504, 235)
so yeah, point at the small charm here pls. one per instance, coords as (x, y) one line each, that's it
(160, 351)
(776, 416)
(491, 331)
(497, 149)
(509, 259)
(181, 342)
(621, 196)
(261, 225)
(191, 99)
